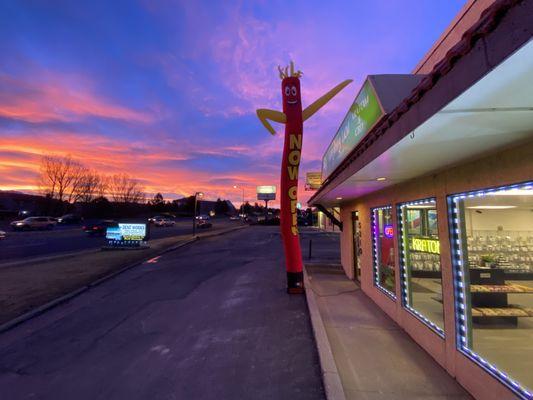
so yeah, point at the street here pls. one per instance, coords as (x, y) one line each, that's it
(63, 239)
(210, 321)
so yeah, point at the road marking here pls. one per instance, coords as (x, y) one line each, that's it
(152, 260)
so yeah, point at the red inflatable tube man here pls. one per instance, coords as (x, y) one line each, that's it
(293, 118)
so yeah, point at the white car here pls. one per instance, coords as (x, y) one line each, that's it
(161, 221)
(34, 223)
(2, 235)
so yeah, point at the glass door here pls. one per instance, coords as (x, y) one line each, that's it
(356, 231)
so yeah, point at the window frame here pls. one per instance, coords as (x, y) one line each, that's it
(404, 281)
(375, 261)
(462, 317)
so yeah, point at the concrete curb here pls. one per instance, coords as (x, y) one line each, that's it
(41, 309)
(51, 304)
(330, 373)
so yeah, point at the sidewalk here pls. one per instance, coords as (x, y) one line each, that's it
(374, 358)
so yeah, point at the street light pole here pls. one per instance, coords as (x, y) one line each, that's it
(242, 204)
(194, 213)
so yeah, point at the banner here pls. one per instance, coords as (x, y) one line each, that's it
(362, 116)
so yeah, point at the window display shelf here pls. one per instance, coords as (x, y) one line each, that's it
(425, 273)
(489, 297)
(506, 288)
(510, 311)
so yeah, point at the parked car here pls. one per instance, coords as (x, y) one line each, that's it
(2, 235)
(34, 223)
(99, 228)
(203, 224)
(69, 219)
(163, 221)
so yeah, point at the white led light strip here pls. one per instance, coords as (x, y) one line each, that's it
(460, 295)
(403, 265)
(375, 251)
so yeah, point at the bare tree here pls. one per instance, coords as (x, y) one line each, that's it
(125, 189)
(58, 176)
(89, 186)
(65, 179)
(103, 186)
(78, 177)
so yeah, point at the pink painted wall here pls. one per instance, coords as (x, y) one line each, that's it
(508, 166)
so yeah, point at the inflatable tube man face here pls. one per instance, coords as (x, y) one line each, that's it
(290, 92)
(293, 118)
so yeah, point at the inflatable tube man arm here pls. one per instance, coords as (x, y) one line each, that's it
(318, 104)
(276, 116)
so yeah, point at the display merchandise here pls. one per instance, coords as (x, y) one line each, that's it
(511, 251)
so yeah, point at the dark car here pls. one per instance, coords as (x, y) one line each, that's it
(203, 224)
(99, 228)
(69, 219)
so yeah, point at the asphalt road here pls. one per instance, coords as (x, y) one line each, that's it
(65, 239)
(209, 321)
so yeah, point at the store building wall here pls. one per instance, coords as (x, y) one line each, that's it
(508, 166)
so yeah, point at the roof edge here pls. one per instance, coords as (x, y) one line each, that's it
(489, 20)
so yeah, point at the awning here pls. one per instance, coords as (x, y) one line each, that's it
(465, 108)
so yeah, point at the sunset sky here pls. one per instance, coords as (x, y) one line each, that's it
(167, 90)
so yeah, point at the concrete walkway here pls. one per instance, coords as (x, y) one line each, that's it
(375, 358)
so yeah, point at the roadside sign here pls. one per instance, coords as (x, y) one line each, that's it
(126, 235)
(313, 180)
(266, 192)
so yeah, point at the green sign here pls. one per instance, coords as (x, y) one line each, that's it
(363, 114)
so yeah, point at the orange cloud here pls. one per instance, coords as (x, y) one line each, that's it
(111, 156)
(57, 100)
(154, 178)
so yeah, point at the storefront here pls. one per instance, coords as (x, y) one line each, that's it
(435, 190)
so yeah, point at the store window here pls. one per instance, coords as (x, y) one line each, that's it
(357, 249)
(420, 262)
(493, 268)
(383, 249)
